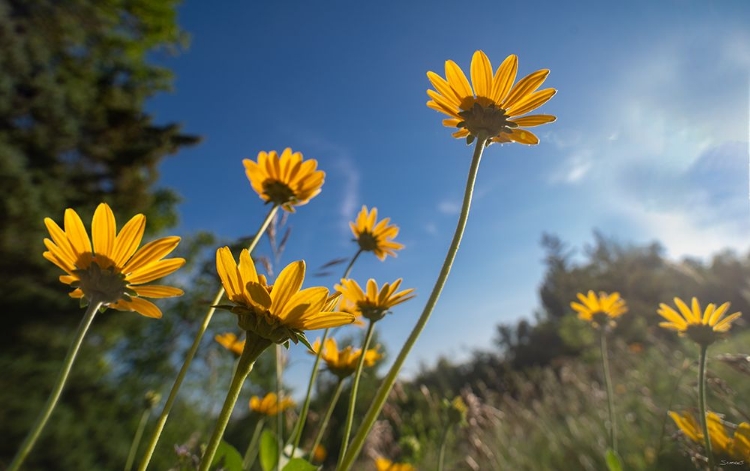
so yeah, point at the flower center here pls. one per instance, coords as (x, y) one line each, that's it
(368, 242)
(372, 312)
(702, 334)
(278, 192)
(485, 122)
(106, 285)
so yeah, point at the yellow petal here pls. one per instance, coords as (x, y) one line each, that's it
(139, 305)
(457, 80)
(525, 86)
(504, 78)
(481, 74)
(128, 239)
(533, 120)
(287, 284)
(157, 291)
(155, 270)
(150, 253)
(76, 233)
(523, 136)
(531, 102)
(103, 231)
(228, 272)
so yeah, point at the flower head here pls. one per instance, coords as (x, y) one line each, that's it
(720, 441)
(231, 343)
(270, 404)
(704, 328)
(491, 110)
(280, 312)
(107, 267)
(601, 310)
(344, 362)
(373, 236)
(384, 464)
(374, 304)
(284, 180)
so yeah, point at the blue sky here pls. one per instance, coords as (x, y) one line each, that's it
(651, 141)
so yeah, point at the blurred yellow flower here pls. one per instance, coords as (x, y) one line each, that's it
(270, 404)
(281, 312)
(284, 180)
(344, 362)
(107, 267)
(319, 454)
(373, 236)
(600, 310)
(720, 441)
(374, 304)
(493, 109)
(703, 327)
(231, 342)
(383, 464)
(740, 447)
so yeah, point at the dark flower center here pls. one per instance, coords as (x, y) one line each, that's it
(485, 122)
(278, 192)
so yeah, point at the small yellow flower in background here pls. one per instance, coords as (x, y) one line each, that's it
(319, 454)
(231, 342)
(383, 464)
(107, 267)
(601, 310)
(280, 312)
(720, 441)
(740, 448)
(270, 405)
(374, 304)
(373, 236)
(284, 180)
(704, 328)
(493, 109)
(344, 362)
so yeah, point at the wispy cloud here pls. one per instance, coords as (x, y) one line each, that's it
(449, 207)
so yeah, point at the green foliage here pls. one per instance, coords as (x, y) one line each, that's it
(269, 450)
(227, 458)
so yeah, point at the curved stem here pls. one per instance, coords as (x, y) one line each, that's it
(54, 396)
(390, 378)
(254, 346)
(162, 420)
(355, 386)
(252, 447)
(327, 418)
(702, 398)
(441, 456)
(610, 393)
(137, 439)
(297, 434)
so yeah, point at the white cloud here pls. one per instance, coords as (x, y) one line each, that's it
(449, 207)
(573, 169)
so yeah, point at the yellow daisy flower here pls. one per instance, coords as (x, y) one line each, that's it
(740, 447)
(284, 180)
(383, 464)
(344, 362)
(107, 267)
(281, 312)
(231, 342)
(600, 310)
(720, 441)
(491, 110)
(270, 405)
(373, 236)
(705, 327)
(374, 304)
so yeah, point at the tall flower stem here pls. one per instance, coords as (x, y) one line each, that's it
(137, 439)
(254, 346)
(610, 392)
(297, 435)
(702, 394)
(355, 386)
(280, 415)
(329, 413)
(252, 448)
(443, 443)
(54, 396)
(390, 378)
(162, 420)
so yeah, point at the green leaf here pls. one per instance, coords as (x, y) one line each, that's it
(613, 460)
(269, 450)
(299, 464)
(227, 457)
(302, 338)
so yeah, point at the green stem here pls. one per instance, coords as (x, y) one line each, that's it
(297, 435)
(355, 386)
(252, 448)
(280, 415)
(443, 442)
(390, 378)
(54, 396)
(610, 392)
(162, 420)
(137, 439)
(254, 346)
(327, 418)
(702, 394)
